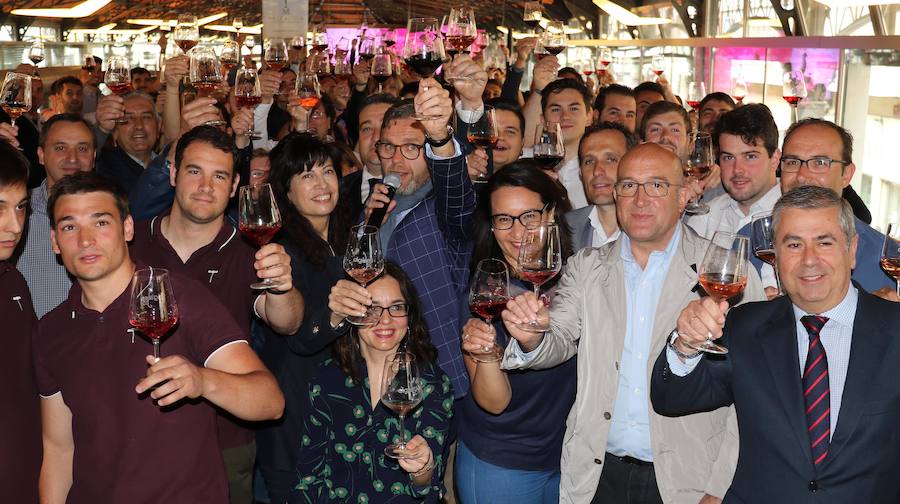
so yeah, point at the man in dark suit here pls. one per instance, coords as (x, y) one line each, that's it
(355, 187)
(599, 152)
(812, 374)
(427, 227)
(134, 133)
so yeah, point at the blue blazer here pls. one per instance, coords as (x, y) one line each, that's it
(433, 245)
(761, 377)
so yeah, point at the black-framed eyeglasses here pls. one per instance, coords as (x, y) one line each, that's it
(653, 188)
(410, 151)
(817, 164)
(398, 310)
(529, 219)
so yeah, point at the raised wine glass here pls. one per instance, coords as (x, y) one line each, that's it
(230, 56)
(247, 93)
(723, 274)
(698, 165)
(15, 96)
(762, 238)
(488, 296)
(118, 79)
(794, 90)
(364, 260)
(319, 38)
(890, 253)
(696, 93)
(341, 49)
(739, 90)
(250, 43)
(206, 74)
(461, 30)
(603, 63)
(424, 48)
(658, 64)
(532, 14)
(367, 45)
(484, 134)
(307, 92)
(401, 392)
(540, 259)
(554, 38)
(152, 310)
(298, 42)
(382, 69)
(258, 219)
(36, 52)
(549, 148)
(276, 56)
(186, 34)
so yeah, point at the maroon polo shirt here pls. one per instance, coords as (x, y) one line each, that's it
(225, 266)
(20, 409)
(127, 448)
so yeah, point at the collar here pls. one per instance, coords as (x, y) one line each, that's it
(225, 236)
(77, 308)
(567, 169)
(842, 314)
(366, 175)
(39, 196)
(764, 204)
(594, 220)
(666, 253)
(138, 161)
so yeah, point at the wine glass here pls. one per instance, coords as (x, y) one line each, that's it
(319, 38)
(540, 259)
(250, 43)
(152, 309)
(341, 49)
(696, 93)
(890, 253)
(484, 134)
(258, 219)
(488, 296)
(363, 261)
(118, 79)
(298, 42)
(319, 64)
(186, 34)
(461, 30)
(658, 64)
(554, 38)
(238, 24)
(424, 49)
(15, 96)
(382, 69)
(367, 47)
(739, 90)
(603, 63)
(549, 148)
(307, 92)
(723, 273)
(401, 389)
(230, 56)
(794, 90)
(36, 52)
(762, 238)
(532, 14)
(89, 64)
(276, 56)
(205, 70)
(247, 93)
(698, 165)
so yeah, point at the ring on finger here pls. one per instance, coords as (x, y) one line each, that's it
(465, 337)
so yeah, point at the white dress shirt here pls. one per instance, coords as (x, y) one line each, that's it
(599, 237)
(725, 213)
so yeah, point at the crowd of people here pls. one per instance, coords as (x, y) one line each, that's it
(597, 394)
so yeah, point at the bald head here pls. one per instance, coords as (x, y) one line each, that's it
(658, 160)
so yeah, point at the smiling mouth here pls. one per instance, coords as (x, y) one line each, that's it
(322, 198)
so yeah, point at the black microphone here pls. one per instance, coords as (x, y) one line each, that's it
(392, 181)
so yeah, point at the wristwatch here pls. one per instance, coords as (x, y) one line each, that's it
(672, 336)
(440, 143)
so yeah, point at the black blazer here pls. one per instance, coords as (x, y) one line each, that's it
(761, 377)
(351, 185)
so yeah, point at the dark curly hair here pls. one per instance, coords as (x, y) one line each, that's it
(345, 349)
(298, 153)
(752, 123)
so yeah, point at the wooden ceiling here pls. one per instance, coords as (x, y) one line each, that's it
(346, 13)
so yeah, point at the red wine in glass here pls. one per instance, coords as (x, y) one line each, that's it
(153, 327)
(247, 101)
(793, 100)
(658, 72)
(260, 234)
(363, 275)
(424, 64)
(694, 104)
(738, 98)
(488, 306)
(228, 65)
(537, 277)
(548, 162)
(309, 102)
(606, 63)
(276, 64)
(483, 141)
(555, 50)
(207, 86)
(36, 58)
(891, 266)
(152, 309)
(587, 72)
(459, 42)
(699, 172)
(767, 256)
(120, 89)
(14, 109)
(381, 79)
(320, 47)
(533, 23)
(186, 44)
(722, 286)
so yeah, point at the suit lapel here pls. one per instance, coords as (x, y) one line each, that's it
(587, 231)
(868, 347)
(778, 340)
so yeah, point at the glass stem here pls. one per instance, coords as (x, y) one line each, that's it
(156, 349)
(402, 444)
(898, 286)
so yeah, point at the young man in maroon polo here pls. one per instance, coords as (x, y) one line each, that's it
(194, 238)
(20, 413)
(134, 442)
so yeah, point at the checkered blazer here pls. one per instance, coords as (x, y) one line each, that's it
(433, 245)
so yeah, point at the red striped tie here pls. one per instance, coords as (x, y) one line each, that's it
(816, 390)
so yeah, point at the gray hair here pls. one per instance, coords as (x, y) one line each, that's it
(399, 110)
(815, 197)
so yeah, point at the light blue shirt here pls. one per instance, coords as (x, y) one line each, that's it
(836, 336)
(629, 433)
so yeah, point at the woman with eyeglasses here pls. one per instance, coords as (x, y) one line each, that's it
(305, 179)
(347, 428)
(511, 424)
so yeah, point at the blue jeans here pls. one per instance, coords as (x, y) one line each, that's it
(478, 482)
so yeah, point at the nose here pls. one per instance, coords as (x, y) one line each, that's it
(517, 231)
(86, 236)
(810, 256)
(640, 197)
(11, 223)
